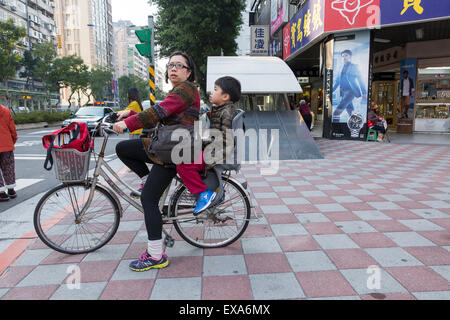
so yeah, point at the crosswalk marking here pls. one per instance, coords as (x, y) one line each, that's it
(24, 183)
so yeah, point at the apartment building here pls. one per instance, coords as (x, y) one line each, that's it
(85, 29)
(127, 60)
(37, 17)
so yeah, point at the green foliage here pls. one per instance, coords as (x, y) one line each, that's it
(127, 82)
(40, 116)
(201, 28)
(9, 57)
(100, 83)
(44, 55)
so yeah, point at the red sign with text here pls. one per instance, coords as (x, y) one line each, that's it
(351, 14)
(286, 41)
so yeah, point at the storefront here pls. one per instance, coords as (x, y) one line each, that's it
(390, 52)
(432, 111)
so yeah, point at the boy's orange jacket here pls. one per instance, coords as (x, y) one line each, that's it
(8, 134)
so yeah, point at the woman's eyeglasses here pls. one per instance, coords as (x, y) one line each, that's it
(178, 66)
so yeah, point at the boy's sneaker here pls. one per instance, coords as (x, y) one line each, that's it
(136, 195)
(204, 201)
(12, 193)
(3, 196)
(146, 262)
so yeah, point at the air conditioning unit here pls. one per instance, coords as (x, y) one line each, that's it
(13, 8)
(3, 2)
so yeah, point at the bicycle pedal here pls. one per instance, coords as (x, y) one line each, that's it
(169, 242)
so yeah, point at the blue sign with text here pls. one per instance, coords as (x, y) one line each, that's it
(400, 11)
(307, 24)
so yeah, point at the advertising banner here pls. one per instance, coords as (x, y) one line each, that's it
(350, 85)
(351, 14)
(401, 11)
(407, 87)
(278, 14)
(286, 41)
(259, 43)
(306, 25)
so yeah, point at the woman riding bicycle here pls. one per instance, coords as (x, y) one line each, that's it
(181, 106)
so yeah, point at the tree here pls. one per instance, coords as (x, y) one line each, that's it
(44, 56)
(127, 82)
(201, 28)
(29, 65)
(100, 83)
(9, 56)
(70, 72)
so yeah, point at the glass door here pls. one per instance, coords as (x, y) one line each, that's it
(385, 95)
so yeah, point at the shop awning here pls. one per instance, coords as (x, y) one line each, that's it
(259, 75)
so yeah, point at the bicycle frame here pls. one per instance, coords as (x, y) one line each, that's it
(116, 190)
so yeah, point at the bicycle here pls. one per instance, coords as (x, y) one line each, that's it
(82, 214)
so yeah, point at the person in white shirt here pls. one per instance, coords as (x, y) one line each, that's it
(406, 91)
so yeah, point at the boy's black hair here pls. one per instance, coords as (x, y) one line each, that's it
(230, 86)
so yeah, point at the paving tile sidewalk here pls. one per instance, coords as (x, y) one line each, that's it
(371, 221)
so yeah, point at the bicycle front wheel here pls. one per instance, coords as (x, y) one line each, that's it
(220, 225)
(60, 226)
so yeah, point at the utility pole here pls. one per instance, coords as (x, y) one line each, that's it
(146, 48)
(152, 78)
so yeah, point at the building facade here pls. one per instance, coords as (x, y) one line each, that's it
(37, 17)
(127, 60)
(350, 54)
(85, 29)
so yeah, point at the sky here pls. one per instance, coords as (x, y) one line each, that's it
(137, 11)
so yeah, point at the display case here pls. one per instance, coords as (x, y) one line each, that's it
(432, 110)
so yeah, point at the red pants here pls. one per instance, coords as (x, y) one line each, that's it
(190, 174)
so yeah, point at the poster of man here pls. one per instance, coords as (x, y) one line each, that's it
(408, 71)
(350, 85)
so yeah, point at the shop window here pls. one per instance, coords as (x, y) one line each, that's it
(432, 110)
(268, 102)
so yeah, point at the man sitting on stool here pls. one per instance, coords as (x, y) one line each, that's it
(377, 121)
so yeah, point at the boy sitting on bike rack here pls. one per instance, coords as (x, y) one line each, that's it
(227, 92)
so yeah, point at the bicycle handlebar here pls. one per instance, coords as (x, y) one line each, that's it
(107, 124)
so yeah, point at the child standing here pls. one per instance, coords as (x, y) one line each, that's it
(8, 138)
(227, 92)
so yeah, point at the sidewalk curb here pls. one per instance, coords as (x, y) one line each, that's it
(28, 126)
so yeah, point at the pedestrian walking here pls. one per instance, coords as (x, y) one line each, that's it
(8, 138)
(305, 111)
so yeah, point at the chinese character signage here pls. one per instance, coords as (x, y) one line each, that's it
(306, 25)
(351, 14)
(278, 14)
(400, 11)
(259, 45)
(350, 86)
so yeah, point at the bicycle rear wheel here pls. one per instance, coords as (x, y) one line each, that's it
(56, 223)
(220, 225)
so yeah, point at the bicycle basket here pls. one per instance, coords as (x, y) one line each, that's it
(71, 165)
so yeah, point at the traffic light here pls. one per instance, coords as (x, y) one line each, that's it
(144, 48)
